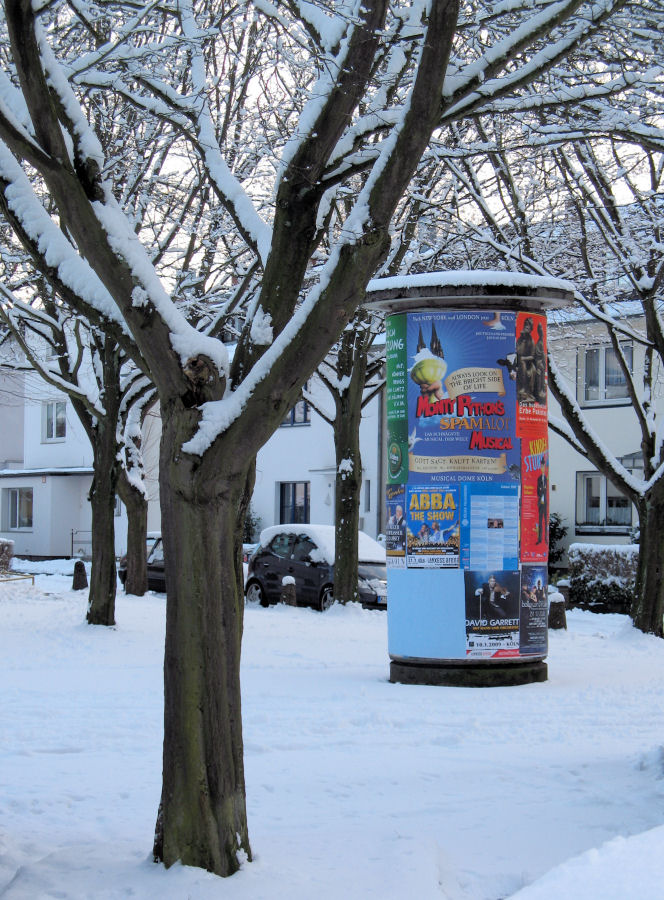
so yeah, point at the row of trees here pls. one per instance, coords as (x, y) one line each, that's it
(176, 176)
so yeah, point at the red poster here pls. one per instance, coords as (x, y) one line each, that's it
(531, 376)
(535, 498)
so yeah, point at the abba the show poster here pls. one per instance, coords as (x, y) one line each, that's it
(467, 473)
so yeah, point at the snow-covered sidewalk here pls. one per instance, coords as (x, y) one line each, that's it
(357, 788)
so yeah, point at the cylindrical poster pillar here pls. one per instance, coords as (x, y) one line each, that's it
(467, 475)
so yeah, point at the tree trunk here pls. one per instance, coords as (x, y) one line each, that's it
(202, 817)
(648, 607)
(136, 505)
(348, 482)
(103, 578)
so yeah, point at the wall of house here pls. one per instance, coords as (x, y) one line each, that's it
(71, 512)
(59, 505)
(295, 453)
(11, 431)
(72, 451)
(614, 421)
(305, 453)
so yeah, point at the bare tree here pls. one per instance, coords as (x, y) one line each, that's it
(108, 395)
(353, 373)
(589, 209)
(270, 113)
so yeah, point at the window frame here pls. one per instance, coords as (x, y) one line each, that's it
(51, 406)
(288, 506)
(14, 506)
(602, 351)
(300, 414)
(605, 491)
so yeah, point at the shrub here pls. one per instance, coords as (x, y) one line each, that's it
(252, 526)
(557, 532)
(602, 577)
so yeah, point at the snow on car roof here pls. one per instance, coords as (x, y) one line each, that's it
(323, 536)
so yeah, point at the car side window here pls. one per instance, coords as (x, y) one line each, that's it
(281, 545)
(303, 547)
(157, 553)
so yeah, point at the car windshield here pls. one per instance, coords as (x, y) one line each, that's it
(372, 570)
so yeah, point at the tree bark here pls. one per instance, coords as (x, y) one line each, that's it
(349, 470)
(202, 818)
(648, 607)
(136, 505)
(103, 577)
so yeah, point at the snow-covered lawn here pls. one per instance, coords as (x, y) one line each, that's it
(357, 788)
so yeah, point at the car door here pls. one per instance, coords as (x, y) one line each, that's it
(307, 573)
(156, 574)
(273, 563)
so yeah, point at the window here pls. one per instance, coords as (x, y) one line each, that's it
(603, 379)
(282, 545)
(303, 548)
(118, 506)
(55, 420)
(367, 495)
(601, 507)
(20, 508)
(300, 414)
(294, 502)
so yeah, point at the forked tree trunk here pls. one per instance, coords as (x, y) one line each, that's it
(348, 485)
(202, 817)
(648, 607)
(103, 578)
(136, 505)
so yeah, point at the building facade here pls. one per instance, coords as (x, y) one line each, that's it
(46, 458)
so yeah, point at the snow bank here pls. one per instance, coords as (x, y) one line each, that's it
(356, 788)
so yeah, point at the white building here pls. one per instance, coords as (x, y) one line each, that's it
(45, 470)
(591, 507)
(46, 460)
(295, 471)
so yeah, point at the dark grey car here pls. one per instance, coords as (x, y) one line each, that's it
(292, 551)
(156, 576)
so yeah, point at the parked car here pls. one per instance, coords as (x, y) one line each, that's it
(306, 554)
(156, 577)
(247, 550)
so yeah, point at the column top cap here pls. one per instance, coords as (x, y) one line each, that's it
(479, 288)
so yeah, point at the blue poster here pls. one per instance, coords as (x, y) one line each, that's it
(461, 397)
(432, 531)
(490, 525)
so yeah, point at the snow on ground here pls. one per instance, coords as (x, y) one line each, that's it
(356, 787)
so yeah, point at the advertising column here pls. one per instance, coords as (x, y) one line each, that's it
(467, 491)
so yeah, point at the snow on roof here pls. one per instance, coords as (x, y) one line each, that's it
(323, 536)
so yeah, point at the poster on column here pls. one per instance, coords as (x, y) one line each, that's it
(432, 531)
(395, 532)
(466, 415)
(460, 394)
(492, 613)
(531, 374)
(490, 526)
(534, 498)
(534, 611)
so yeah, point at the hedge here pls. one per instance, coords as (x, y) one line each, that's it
(602, 578)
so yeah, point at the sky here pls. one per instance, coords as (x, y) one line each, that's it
(356, 787)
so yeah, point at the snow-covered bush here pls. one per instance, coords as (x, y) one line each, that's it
(602, 577)
(6, 553)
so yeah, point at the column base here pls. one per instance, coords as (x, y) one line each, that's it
(469, 674)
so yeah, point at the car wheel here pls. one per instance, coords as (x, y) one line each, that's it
(326, 598)
(255, 594)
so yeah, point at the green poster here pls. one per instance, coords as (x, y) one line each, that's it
(397, 400)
